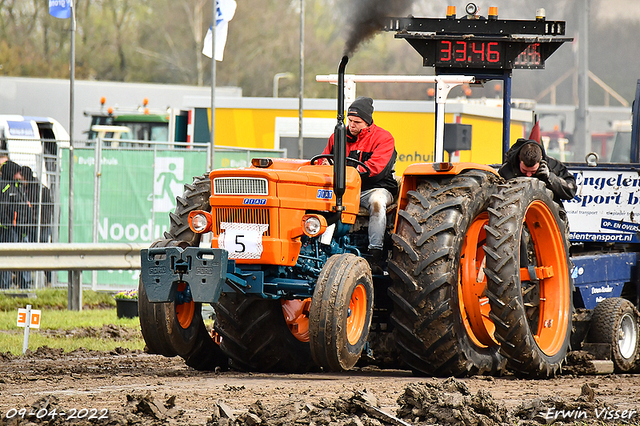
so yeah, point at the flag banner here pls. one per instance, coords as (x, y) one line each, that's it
(224, 13)
(60, 8)
(535, 132)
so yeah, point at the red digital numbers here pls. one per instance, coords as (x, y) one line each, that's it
(445, 49)
(461, 51)
(493, 55)
(530, 57)
(469, 53)
(478, 51)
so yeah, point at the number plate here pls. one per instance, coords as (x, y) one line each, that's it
(242, 240)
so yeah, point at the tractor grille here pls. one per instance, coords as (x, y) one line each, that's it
(234, 215)
(240, 186)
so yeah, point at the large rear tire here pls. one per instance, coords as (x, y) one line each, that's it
(195, 197)
(256, 337)
(340, 313)
(171, 329)
(532, 316)
(615, 321)
(440, 314)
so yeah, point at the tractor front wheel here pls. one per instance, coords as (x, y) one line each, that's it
(340, 313)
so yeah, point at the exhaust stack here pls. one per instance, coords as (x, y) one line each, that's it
(340, 141)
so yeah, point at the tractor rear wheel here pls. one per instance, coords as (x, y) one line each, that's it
(440, 314)
(615, 321)
(528, 281)
(171, 329)
(195, 197)
(256, 337)
(340, 313)
(151, 318)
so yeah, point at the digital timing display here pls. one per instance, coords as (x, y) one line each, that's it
(484, 54)
(529, 58)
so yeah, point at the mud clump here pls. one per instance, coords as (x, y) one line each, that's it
(578, 363)
(450, 402)
(445, 403)
(353, 409)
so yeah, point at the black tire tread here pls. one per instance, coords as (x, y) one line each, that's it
(604, 327)
(160, 328)
(255, 336)
(425, 277)
(326, 334)
(195, 197)
(506, 215)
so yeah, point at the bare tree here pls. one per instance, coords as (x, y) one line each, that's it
(194, 12)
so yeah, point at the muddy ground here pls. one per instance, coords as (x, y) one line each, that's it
(134, 388)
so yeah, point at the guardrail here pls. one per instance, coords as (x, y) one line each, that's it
(70, 256)
(73, 257)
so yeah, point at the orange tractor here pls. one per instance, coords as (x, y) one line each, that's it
(475, 281)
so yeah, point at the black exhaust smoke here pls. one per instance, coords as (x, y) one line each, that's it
(365, 18)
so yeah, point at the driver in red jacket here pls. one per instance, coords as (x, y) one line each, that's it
(375, 147)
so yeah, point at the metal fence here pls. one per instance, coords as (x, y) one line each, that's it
(123, 192)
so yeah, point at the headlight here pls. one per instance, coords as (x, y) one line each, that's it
(200, 221)
(313, 225)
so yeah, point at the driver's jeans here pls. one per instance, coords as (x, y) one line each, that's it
(376, 201)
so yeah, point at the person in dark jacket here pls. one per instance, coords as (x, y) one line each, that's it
(39, 229)
(528, 158)
(40, 198)
(375, 147)
(15, 214)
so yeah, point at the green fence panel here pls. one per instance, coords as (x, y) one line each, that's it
(138, 190)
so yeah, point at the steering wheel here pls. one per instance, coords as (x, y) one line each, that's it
(329, 157)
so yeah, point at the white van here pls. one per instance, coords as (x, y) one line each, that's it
(26, 138)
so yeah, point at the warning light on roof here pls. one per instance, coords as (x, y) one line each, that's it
(471, 9)
(451, 12)
(541, 14)
(493, 13)
(145, 101)
(146, 111)
(102, 101)
(110, 110)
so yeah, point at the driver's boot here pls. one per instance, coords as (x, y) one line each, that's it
(376, 261)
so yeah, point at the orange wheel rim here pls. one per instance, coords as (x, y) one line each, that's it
(357, 314)
(296, 315)
(474, 305)
(185, 311)
(551, 268)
